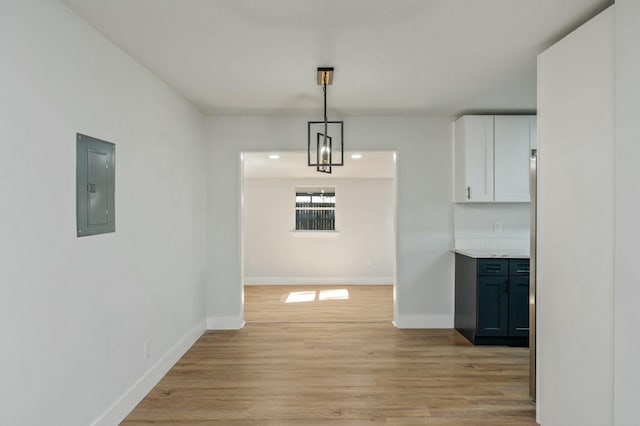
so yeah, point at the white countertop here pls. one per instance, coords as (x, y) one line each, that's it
(488, 253)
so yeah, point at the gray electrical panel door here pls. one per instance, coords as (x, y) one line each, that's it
(95, 184)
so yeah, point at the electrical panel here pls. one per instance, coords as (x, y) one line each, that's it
(95, 186)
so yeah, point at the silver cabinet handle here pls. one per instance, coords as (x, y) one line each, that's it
(468, 192)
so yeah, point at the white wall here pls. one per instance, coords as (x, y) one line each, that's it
(474, 225)
(627, 207)
(424, 237)
(360, 253)
(75, 312)
(576, 227)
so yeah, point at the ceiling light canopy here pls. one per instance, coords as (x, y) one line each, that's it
(327, 136)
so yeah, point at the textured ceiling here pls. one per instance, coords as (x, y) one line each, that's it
(437, 57)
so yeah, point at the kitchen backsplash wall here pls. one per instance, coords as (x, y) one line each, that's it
(492, 225)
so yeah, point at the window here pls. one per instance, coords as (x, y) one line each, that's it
(315, 209)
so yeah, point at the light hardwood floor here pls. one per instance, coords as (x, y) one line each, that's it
(363, 303)
(287, 371)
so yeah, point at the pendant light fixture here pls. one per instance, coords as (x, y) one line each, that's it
(326, 136)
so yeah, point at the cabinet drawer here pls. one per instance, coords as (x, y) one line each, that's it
(493, 266)
(519, 267)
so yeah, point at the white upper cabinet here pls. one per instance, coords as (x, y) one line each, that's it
(512, 147)
(491, 158)
(533, 135)
(474, 159)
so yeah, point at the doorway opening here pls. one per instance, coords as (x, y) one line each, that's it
(318, 247)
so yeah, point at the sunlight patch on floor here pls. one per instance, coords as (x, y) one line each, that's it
(339, 294)
(310, 296)
(301, 296)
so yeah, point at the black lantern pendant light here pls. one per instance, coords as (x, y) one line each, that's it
(326, 135)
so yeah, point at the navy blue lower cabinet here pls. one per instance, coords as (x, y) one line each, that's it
(519, 306)
(492, 300)
(493, 306)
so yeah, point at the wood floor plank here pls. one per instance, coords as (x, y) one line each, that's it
(342, 373)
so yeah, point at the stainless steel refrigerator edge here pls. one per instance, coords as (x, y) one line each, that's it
(532, 274)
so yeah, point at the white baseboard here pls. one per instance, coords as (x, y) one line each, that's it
(132, 396)
(225, 323)
(318, 280)
(424, 321)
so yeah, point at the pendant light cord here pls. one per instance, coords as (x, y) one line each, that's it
(324, 92)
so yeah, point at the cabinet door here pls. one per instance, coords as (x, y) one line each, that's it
(512, 153)
(492, 309)
(473, 159)
(519, 306)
